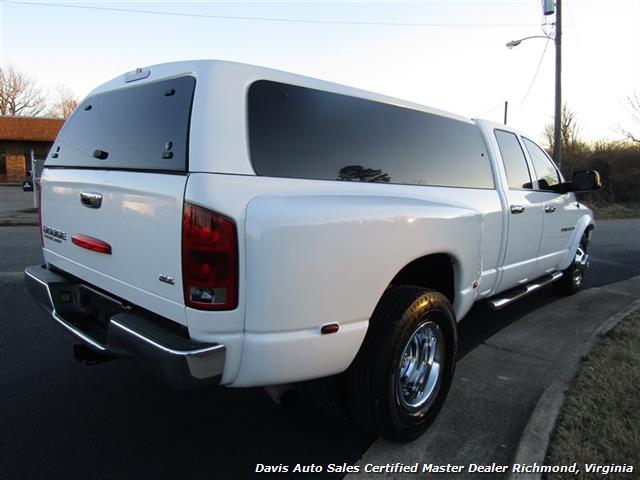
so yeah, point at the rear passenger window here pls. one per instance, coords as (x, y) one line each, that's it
(299, 132)
(514, 160)
(546, 173)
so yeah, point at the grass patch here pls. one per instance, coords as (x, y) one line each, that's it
(615, 210)
(600, 419)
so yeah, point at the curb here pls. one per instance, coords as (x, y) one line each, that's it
(19, 224)
(534, 442)
(23, 220)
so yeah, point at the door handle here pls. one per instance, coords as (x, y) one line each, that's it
(517, 209)
(91, 199)
(549, 209)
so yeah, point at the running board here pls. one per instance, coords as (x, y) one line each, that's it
(505, 298)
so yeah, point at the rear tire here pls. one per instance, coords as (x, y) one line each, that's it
(400, 378)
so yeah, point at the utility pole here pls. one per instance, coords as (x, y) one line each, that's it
(548, 9)
(557, 119)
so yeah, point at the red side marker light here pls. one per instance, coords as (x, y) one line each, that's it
(329, 328)
(90, 243)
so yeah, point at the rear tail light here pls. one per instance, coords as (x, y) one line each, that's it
(38, 187)
(209, 259)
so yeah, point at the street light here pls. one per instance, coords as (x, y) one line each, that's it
(557, 116)
(515, 43)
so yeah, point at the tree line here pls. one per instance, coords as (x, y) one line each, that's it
(20, 95)
(617, 161)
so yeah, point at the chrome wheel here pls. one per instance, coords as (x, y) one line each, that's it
(580, 263)
(576, 276)
(421, 367)
(573, 276)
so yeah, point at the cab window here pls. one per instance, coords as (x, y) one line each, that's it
(545, 171)
(514, 160)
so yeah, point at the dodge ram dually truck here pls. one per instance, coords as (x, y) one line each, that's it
(227, 224)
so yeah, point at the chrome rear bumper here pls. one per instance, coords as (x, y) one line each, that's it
(106, 325)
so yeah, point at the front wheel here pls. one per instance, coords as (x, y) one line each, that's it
(573, 276)
(402, 373)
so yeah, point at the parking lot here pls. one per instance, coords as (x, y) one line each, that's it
(113, 420)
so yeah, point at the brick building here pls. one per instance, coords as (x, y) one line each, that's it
(18, 137)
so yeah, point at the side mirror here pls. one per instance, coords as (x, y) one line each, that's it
(585, 181)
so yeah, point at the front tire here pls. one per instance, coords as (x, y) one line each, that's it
(573, 277)
(401, 376)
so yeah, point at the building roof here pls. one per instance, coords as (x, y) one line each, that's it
(30, 129)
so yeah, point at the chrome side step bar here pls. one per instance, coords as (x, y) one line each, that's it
(505, 298)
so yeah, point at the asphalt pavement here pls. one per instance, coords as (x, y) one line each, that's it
(113, 420)
(16, 206)
(13, 198)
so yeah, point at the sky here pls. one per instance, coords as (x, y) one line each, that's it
(447, 54)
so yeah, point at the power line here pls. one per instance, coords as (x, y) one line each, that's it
(535, 75)
(490, 110)
(270, 19)
(302, 2)
(573, 22)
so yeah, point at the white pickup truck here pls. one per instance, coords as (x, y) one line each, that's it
(234, 225)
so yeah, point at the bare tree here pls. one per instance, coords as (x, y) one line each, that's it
(573, 148)
(19, 94)
(633, 105)
(65, 103)
(569, 129)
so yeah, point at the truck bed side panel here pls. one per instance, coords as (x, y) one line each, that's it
(319, 259)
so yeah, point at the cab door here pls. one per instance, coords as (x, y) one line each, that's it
(524, 212)
(560, 210)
